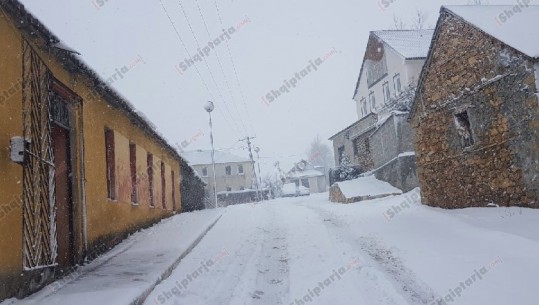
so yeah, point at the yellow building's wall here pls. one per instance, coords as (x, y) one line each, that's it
(10, 172)
(105, 218)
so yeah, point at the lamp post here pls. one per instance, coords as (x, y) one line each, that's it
(209, 107)
(257, 150)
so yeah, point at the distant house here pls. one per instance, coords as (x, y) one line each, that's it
(305, 174)
(234, 174)
(476, 111)
(381, 139)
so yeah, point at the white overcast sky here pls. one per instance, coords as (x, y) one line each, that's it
(280, 40)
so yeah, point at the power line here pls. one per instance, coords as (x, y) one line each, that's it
(207, 66)
(235, 70)
(189, 54)
(221, 67)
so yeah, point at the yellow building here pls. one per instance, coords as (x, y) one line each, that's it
(83, 169)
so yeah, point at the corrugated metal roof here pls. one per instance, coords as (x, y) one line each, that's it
(408, 43)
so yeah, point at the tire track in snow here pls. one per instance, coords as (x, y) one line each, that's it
(406, 283)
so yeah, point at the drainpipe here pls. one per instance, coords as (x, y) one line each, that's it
(83, 183)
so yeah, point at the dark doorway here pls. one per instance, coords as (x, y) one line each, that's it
(63, 194)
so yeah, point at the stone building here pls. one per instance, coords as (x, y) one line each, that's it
(380, 142)
(476, 110)
(192, 188)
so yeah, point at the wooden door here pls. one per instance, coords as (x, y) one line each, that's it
(63, 194)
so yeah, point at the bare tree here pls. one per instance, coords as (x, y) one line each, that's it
(398, 23)
(419, 20)
(320, 154)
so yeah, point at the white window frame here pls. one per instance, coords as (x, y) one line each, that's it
(397, 85)
(242, 172)
(386, 92)
(372, 101)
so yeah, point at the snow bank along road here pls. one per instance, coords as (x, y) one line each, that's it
(385, 251)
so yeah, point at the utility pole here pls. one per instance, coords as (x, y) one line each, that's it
(248, 139)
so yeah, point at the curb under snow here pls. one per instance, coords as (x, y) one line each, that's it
(144, 295)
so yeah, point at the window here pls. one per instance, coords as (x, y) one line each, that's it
(163, 186)
(133, 170)
(372, 100)
(305, 182)
(240, 169)
(340, 152)
(464, 129)
(110, 163)
(355, 142)
(228, 170)
(387, 94)
(364, 106)
(397, 84)
(149, 165)
(204, 172)
(242, 188)
(228, 189)
(172, 179)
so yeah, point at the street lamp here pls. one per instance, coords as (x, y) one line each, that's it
(209, 107)
(257, 150)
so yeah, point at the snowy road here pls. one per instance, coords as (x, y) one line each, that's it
(309, 251)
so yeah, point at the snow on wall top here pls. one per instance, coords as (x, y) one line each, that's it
(513, 25)
(306, 174)
(366, 186)
(200, 157)
(409, 43)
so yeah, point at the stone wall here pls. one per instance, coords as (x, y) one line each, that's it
(193, 190)
(494, 85)
(345, 137)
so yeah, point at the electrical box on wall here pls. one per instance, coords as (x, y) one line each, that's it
(17, 149)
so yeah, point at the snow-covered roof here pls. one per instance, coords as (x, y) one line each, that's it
(200, 157)
(410, 44)
(305, 174)
(518, 30)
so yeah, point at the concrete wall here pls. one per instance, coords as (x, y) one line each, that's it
(401, 172)
(504, 117)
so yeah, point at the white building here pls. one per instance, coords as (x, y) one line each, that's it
(233, 173)
(381, 139)
(392, 62)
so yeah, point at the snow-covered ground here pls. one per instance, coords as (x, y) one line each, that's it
(131, 268)
(385, 251)
(307, 250)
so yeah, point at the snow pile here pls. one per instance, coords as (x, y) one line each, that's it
(367, 187)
